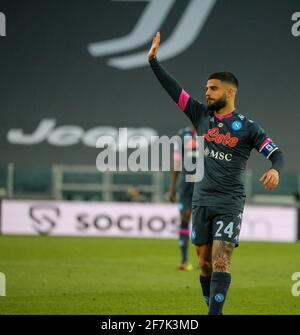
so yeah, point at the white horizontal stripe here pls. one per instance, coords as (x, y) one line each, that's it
(265, 144)
(271, 152)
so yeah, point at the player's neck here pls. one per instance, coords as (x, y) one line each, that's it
(229, 108)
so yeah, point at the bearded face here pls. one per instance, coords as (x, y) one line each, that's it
(216, 104)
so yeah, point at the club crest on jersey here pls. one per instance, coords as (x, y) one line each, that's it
(213, 135)
(236, 125)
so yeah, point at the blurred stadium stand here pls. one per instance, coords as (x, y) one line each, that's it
(84, 182)
(59, 96)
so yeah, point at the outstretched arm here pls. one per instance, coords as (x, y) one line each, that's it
(167, 81)
(192, 108)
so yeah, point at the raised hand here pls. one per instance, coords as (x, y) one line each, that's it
(154, 47)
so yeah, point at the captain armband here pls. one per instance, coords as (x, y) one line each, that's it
(267, 147)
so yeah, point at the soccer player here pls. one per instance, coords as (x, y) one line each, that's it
(187, 146)
(218, 199)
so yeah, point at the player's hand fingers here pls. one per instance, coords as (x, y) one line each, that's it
(154, 47)
(274, 180)
(269, 186)
(274, 174)
(156, 42)
(267, 179)
(272, 184)
(157, 36)
(270, 179)
(262, 177)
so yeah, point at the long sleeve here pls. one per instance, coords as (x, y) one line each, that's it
(192, 108)
(166, 80)
(277, 160)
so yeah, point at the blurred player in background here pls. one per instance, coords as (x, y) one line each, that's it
(219, 198)
(188, 147)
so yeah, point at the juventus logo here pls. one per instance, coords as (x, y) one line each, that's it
(153, 17)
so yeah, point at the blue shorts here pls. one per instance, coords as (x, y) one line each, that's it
(215, 223)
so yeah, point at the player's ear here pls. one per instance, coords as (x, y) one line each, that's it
(227, 92)
(230, 92)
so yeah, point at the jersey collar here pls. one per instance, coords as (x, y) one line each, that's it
(224, 116)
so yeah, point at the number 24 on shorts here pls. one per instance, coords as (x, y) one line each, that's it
(226, 230)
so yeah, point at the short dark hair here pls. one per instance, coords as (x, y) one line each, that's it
(228, 77)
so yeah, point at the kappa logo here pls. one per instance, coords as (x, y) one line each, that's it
(150, 21)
